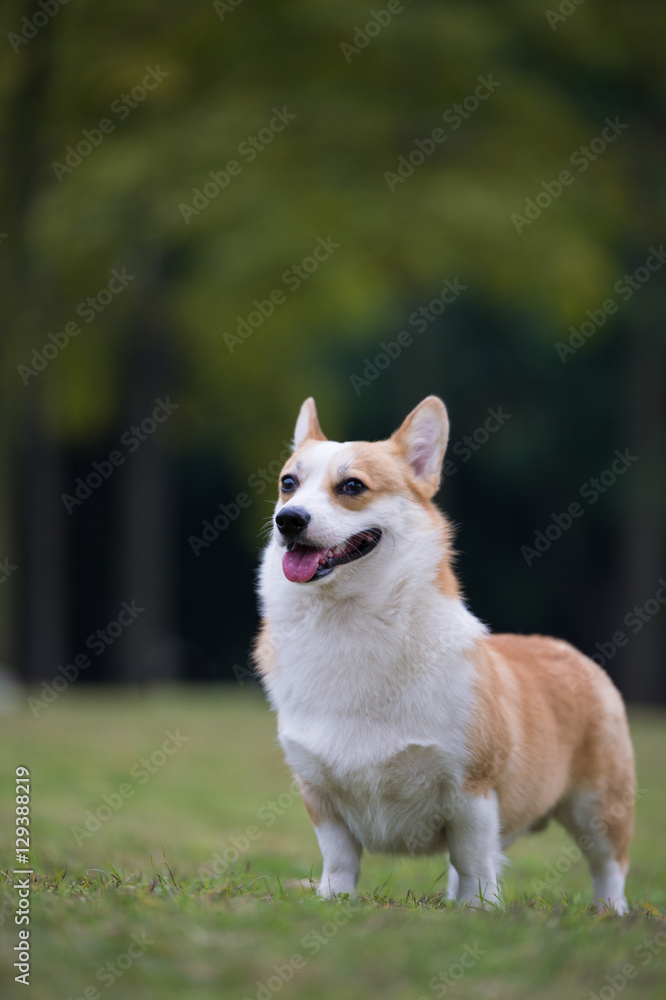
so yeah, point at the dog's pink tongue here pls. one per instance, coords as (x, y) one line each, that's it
(300, 564)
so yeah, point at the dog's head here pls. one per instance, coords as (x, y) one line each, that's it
(341, 503)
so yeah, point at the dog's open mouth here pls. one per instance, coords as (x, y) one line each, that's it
(301, 563)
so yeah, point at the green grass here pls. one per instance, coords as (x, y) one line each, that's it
(150, 870)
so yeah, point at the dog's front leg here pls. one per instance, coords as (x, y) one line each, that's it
(473, 837)
(341, 852)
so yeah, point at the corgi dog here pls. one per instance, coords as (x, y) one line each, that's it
(410, 727)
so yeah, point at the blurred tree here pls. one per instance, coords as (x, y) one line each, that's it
(229, 143)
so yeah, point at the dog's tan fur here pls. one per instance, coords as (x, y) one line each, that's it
(546, 732)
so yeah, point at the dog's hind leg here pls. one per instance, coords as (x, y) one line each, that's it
(608, 877)
(602, 833)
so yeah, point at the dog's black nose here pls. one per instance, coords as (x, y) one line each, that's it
(291, 521)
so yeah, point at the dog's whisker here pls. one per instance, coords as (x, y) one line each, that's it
(410, 727)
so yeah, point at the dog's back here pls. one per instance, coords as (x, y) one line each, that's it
(409, 726)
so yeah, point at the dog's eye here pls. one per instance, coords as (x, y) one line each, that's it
(289, 483)
(352, 486)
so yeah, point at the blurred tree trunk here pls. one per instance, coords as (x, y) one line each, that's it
(145, 527)
(641, 663)
(8, 547)
(46, 597)
(39, 571)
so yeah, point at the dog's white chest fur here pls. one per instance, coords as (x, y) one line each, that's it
(411, 729)
(397, 804)
(373, 703)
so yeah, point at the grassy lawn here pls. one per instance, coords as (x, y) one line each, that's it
(148, 903)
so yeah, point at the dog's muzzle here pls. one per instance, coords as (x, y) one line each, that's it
(292, 522)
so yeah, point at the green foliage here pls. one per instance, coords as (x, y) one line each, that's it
(322, 174)
(512, 190)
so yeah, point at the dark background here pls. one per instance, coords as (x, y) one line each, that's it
(116, 203)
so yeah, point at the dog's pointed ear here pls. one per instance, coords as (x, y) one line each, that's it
(422, 440)
(307, 425)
